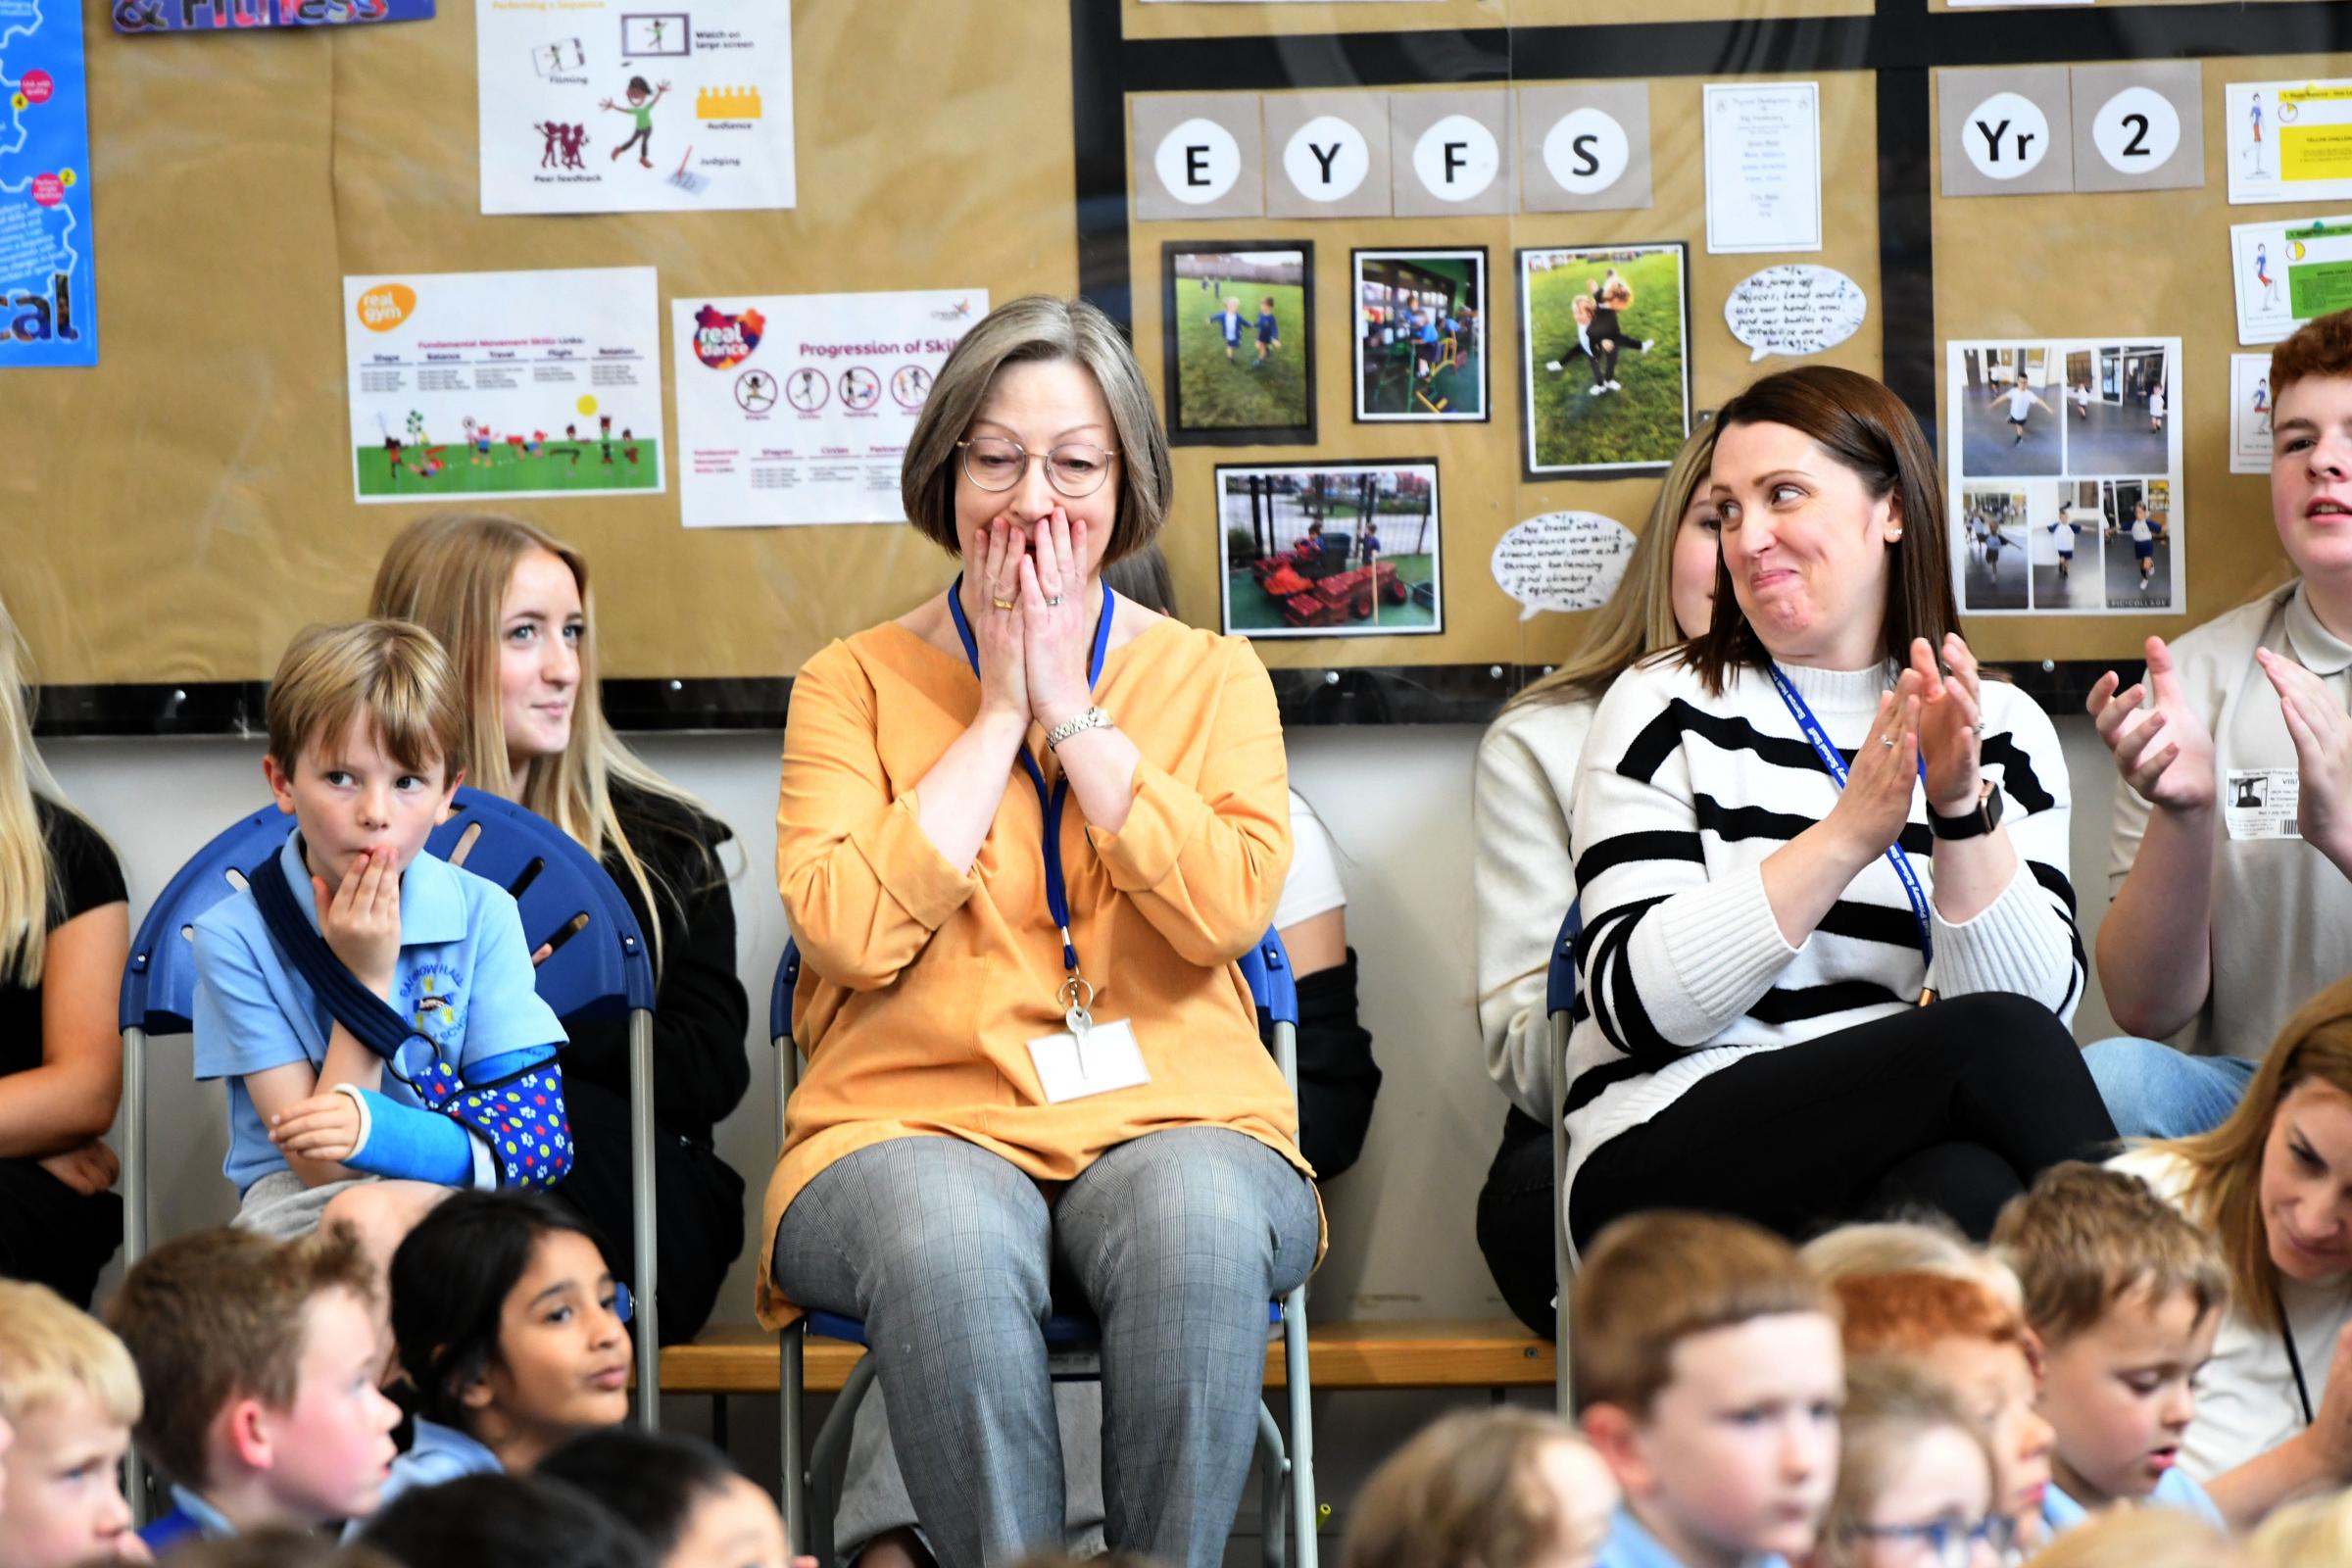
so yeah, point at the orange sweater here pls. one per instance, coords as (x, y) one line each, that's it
(921, 986)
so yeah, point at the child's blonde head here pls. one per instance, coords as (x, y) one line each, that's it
(2085, 1237)
(50, 1348)
(392, 673)
(1928, 1243)
(1653, 1279)
(2316, 1533)
(1891, 1406)
(1470, 1488)
(2149, 1538)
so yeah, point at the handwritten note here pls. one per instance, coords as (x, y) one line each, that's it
(1795, 310)
(1562, 561)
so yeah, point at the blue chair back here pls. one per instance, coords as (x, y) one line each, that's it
(159, 983)
(1559, 986)
(601, 966)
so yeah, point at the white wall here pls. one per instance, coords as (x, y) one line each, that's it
(1396, 802)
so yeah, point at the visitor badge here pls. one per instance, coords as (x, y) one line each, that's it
(2259, 803)
(1088, 1059)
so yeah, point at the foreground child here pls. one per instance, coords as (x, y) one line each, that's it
(1707, 1373)
(71, 1392)
(1502, 1488)
(2125, 1296)
(1914, 1477)
(260, 1360)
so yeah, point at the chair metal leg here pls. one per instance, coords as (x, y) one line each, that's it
(1561, 1274)
(134, 1214)
(794, 1494)
(829, 1459)
(1273, 1492)
(648, 1292)
(1305, 1519)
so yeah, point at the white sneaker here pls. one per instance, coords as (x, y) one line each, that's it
(1598, 390)
(1647, 344)
(1553, 365)
(1616, 386)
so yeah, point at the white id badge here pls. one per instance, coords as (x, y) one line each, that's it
(2260, 803)
(1071, 1067)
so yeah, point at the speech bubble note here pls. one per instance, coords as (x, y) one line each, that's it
(1562, 561)
(1795, 310)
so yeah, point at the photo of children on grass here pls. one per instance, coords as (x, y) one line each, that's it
(1420, 336)
(1239, 330)
(1330, 549)
(1607, 380)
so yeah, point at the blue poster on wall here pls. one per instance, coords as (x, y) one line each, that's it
(48, 308)
(231, 16)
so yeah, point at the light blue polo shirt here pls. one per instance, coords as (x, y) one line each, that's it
(463, 979)
(2175, 1488)
(1632, 1546)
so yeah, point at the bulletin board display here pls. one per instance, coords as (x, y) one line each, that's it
(1482, 485)
(175, 513)
(2124, 266)
(1158, 19)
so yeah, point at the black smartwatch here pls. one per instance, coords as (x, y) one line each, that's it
(1969, 824)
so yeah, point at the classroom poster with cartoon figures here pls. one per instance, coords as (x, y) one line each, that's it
(609, 106)
(2063, 458)
(503, 384)
(796, 409)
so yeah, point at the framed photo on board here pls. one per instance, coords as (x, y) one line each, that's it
(1604, 368)
(1330, 548)
(1238, 321)
(1420, 331)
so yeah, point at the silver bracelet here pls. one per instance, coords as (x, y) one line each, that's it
(1092, 718)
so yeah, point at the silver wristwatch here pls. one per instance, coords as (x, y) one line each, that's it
(1092, 718)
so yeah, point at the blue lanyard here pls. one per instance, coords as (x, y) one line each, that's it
(1057, 890)
(1835, 765)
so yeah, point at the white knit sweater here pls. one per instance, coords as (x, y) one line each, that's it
(1684, 970)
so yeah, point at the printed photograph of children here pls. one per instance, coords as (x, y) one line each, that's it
(1239, 342)
(1420, 336)
(1991, 536)
(1330, 549)
(2064, 521)
(1606, 383)
(2137, 517)
(2010, 411)
(2123, 403)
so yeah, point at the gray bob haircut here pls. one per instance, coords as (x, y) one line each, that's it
(1039, 327)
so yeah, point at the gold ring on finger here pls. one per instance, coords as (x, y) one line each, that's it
(1002, 604)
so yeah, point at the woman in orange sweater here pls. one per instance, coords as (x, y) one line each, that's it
(1030, 1053)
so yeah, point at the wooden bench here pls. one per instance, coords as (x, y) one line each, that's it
(1458, 1354)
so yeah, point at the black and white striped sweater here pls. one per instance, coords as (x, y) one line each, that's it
(1681, 967)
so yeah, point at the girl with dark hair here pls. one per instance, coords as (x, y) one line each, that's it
(511, 1331)
(512, 1521)
(1795, 831)
(692, 1507)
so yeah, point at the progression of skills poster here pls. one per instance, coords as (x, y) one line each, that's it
(48, 308)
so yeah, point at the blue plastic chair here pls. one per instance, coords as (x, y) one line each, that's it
(813, 1487)
(1559, 1003)
(600, 968)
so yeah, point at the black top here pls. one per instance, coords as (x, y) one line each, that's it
(88, 877)
(700, 1013)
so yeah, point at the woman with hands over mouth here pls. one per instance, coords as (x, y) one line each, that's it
(1829, 942)
(1025, 830)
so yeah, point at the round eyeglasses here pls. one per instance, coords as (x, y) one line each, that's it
(1074, 468)
(1950, 1543)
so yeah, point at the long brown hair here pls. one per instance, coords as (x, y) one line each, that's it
(1639, 617)
(2224, 1183)
(449, 573)
(1856, 420)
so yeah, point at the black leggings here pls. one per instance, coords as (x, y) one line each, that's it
(1515, 1212)
(1955, 1106)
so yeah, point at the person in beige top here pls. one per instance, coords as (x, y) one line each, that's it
(2232, 839)
(1000, 1097)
